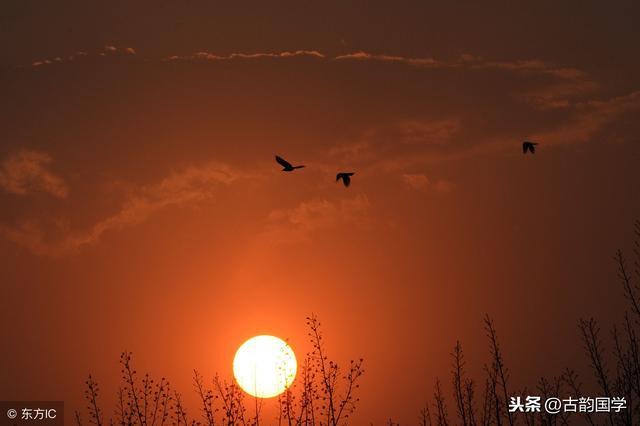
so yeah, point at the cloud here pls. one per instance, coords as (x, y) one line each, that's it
(566, 82)
(420, 182)
(191, 185)
(522, 66)
(420, 62)
(27, 172)
(561, 93)
(299, 223)
(416, 181)
(107, 50)
(465, 61)
(203, 55)
(399, 145)
(588, 118)
(436, 132)
(471, 62)
(350, 150)
(468, 61)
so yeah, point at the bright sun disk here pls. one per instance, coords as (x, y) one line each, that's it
(264, 366)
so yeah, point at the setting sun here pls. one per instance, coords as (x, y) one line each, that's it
(264, 366)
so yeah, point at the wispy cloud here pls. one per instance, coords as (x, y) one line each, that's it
(193, 184)
(203, 55)
(530, 66)
(425, 62)
(27, 172)
(558, 94)
(421, 182)
(399, 146)
(297, 224)
(568, 82)
(434, 132)
(589, 118)
(467, 61)
(107, 50)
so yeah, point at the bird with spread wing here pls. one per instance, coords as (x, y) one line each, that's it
(346, 177)
(528, 146)
(286, 166)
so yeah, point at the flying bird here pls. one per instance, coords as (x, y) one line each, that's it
(286, 166)
(345, 176)
(529, 146)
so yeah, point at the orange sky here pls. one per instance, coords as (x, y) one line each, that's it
(141, 208)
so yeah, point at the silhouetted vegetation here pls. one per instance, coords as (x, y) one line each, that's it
(324, 394)
(615, 369)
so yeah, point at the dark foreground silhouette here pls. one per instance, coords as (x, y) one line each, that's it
(615, 372)
(324, 393)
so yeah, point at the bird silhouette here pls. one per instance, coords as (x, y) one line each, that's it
(345, 176)
(286, 166)
(529, 146)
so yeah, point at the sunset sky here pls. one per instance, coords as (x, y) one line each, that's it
(141, 208)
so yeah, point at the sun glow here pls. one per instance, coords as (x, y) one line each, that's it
(264, 366)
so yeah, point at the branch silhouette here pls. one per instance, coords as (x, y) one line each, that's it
(324, 395)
